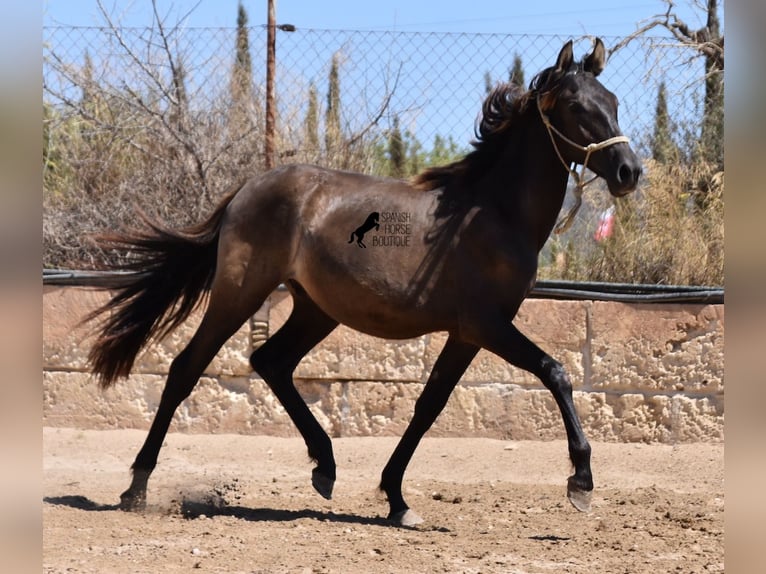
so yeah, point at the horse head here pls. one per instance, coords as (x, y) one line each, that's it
(581, 117)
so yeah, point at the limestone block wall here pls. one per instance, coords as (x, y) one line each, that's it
(641, 372)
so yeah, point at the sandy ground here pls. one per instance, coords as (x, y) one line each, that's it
(244, 504)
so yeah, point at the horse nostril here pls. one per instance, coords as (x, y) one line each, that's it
(625, 174)
(629, 174)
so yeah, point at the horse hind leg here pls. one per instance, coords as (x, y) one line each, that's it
(227, 311)
(276, 360)
(184, 372)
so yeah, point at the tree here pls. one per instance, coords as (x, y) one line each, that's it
(240, 117)
(487, 82)
(444, 151)
(181, 104)
(396, 150)
(311, 124)
(242, 74)
(712, 123)
(664, 149)
(516, 75)
(415, 156)
(245, 117)
(708, 42)
(332, 115)
(88, 96)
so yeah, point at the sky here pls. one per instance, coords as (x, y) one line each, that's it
(559, 18)
(592, 17)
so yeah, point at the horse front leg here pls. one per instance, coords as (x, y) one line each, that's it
(510, 344)
(450, 366)
(580, 484)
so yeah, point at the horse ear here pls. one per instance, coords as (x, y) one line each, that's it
(596, 60)
(566, 58)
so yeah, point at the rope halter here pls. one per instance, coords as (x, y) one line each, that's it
(565, 222)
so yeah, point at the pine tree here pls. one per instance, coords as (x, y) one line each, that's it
(242, 75)
(332, 115)
(663, 147)
(311, 124)
(712, 121)
(87, 98)
(181, 103)
(396, 151)
(487, 82)
(91, 135)
(241, 117)
(415, 156)
(516, 75)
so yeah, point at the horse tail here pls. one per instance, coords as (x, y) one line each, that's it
(169, 272)
(352, 237)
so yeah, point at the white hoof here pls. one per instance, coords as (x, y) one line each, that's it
(406, 518)
(580, 499)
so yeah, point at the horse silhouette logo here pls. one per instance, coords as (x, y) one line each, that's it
(369, 223)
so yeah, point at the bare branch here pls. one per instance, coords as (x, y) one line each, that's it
(381, 111)
(116, 31)
(699, 40)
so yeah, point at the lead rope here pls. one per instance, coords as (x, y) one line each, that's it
(565, 222)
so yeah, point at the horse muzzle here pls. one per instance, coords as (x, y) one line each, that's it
(625, 174)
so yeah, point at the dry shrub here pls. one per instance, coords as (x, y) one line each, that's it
(670, 231)
(98, 170)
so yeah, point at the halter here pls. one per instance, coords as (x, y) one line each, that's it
(563, 224)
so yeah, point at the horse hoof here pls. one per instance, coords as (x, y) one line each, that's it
(130, 502)
(580, 499)
(406, 517)
(322, 484)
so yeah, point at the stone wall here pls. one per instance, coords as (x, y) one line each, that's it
(641, 372)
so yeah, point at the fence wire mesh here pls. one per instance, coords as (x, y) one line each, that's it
(129, 111)
(432, 83)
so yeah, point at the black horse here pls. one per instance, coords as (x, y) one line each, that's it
(477, 226)
(369, 223)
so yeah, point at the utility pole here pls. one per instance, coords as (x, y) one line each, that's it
(271, 59)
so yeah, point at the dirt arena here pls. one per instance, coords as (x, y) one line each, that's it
(244, 504)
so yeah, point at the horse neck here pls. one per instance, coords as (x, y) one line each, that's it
(537, 178)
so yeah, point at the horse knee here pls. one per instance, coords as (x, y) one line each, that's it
(555, 378)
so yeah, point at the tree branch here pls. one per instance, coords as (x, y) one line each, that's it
(381, 111)
(701, 40)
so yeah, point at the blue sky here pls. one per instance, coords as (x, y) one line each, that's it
(596, 17)
(557, 18)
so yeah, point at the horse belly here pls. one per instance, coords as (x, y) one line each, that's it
(384, 299)
(387, 315)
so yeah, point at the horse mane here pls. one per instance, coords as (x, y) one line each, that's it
(501, 111)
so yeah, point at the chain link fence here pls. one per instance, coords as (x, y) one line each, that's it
(170, 117)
